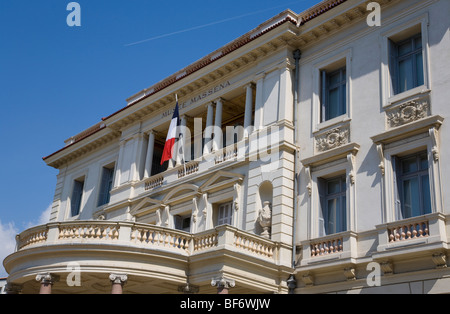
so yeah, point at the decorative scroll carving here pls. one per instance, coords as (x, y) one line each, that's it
(381, 155)
(352, 175)
(309, 179)
(333, 138)
(408, 112)
(434, 139)
(236, 196)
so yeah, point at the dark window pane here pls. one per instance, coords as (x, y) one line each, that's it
(426, 199)
(419, 70)
(409, 165)
(411, 201)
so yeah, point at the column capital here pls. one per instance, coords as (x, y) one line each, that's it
(249, 85)
(118, 278)
(210, 104)
(47, 278)
(222, 282)
(220, 99)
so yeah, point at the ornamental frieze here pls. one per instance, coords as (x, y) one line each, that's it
(332, 139)
(407, 112)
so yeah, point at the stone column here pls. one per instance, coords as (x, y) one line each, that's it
(117, 282)
(259, 105)
(217, 143)
(149, 157)
(223, 284)
(248, 110)
(208, 131)
(46, 280)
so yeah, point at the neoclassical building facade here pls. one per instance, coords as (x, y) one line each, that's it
(310, 158)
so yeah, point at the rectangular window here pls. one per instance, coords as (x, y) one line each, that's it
(224, 214)
(77, 195)
(333, 199)
(406, 64)
(334, 94)
(183, 223)
(106, 185)
(413, 185)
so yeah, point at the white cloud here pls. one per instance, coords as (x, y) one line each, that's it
(8, 232)
(8, 243)
(43, 218)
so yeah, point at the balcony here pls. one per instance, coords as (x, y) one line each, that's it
(412, 236)
(168, 258)
(332, 249)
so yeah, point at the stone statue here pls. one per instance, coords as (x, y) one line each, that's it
(265, 219)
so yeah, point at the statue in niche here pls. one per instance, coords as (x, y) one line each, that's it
(265, 219)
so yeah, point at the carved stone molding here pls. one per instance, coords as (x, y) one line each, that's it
(387, 267)
(408, 112)
(308, 279)
(350, 273)
(334, 138)
(222, 282)
(187, 288)
(440, 260)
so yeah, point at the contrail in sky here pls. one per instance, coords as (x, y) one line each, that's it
(209, 24)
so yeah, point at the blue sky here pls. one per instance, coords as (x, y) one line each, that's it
(56, 80)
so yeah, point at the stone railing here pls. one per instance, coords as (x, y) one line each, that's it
(336, 246)
(189, 168)
(225, 154)
(153, 182)
(104, 231)
(325, 247)
(153, 236)
(408, 231)
(254, 244)
(32, 236)
(144, 236)
(425, 229)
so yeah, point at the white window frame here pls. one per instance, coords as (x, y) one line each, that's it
(73, 178)
(100, 179)
(228, 217)
(323, 64)
(410, 146)
(327, 171)
(388, 96)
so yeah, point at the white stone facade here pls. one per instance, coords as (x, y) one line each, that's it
(257, 213)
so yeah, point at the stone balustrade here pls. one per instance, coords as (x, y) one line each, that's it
(408, 231)
(150, 237)
(329, 246)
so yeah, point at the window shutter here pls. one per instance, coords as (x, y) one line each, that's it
(105, 186)
(76, 197)
(323, 95)
(393, 67)
(322, 207)
(397, 188)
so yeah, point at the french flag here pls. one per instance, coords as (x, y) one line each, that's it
(171, 136)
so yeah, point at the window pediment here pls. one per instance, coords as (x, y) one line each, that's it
(181, 194)
(145, 206)
(221, 180)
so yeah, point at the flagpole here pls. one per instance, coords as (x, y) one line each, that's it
(182, 144)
